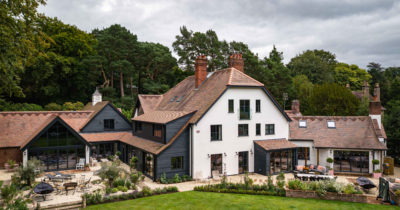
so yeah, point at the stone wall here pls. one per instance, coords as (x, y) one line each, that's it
(328, 196)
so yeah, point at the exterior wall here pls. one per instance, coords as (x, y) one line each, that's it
(147, 132)
(313, 152)
(173, 127)
(231, 143)
(180, 147)
(10, 153)
(97, 124)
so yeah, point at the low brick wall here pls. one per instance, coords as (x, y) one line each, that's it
(328, 196)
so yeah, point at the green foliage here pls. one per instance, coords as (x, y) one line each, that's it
(53, 107)
(391, 122)
(375, 161)
(163, 178)
(25, 176)
(329, 160)
(177, 178)
(321, 187)
(8, 106)
(109, 172)
(136, 178)
(146, 191)
(242, 189)
(69, 106)
(331, 99)
(350, 74)
(317, 65)
(114, 190)
(397, 192)
(133, 162)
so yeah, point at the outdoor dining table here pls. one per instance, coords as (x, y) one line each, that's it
(317, 176)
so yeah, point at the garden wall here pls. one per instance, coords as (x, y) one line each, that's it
(328, 196)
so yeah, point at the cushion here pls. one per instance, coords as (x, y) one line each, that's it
(320, 168)
(312, 166)
(299, 168)
(397, 180)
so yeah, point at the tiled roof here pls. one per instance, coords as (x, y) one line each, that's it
(275, 144)
(106, 136)
(18, 128)
(141, 143)
(95, 109)
(380, 133)
(161, 117)
(185, 97)
(351, 132)
(149, 102)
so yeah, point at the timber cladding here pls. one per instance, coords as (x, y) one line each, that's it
(10, 153)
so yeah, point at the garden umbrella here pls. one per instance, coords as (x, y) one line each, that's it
(43, 188)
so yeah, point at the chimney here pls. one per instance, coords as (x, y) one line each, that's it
(236, 61)
(365, 89)
(200, 70)
(296, 107)
(96, 97)
(377, 92)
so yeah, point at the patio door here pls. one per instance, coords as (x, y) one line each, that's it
(216, 163)
(243, 162)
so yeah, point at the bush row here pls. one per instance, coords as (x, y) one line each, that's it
(213, 188)
(8, 106)
(97, 197)
(175, 179)
(321, 187)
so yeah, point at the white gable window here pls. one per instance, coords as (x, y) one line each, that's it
(303, 124)
(331, 124)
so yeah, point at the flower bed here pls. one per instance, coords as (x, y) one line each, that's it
(175, 179)
(98, 198)
(328, 190)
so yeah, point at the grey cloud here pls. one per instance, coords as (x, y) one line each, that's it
(356, 31)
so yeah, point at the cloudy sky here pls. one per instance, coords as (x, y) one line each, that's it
(357, 31)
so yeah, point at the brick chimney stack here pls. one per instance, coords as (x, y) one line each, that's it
(295, 106)
(236, 61)
(377, 92)
(200, 70)
(365, 89)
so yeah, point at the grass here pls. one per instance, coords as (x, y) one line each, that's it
(206, 200)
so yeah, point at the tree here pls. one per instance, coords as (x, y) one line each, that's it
(18, 32)
(351, 74)
(317, 65)
(302, 89)
(280, 81)
(331, 99)
(117, 47)
(391, 123)
(26, 174)
(378, 76)
(183, 47)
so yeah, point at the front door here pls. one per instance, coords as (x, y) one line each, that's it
(243, 162)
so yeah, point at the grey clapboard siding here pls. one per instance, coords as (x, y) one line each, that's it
(173, 127)
(180, 147)
(260, 160)
(97, 123)
(147, 132)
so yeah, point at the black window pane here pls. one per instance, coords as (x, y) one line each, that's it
(301, 153)
(230, 106)
(258, 129)
(216, 132)
(177, 162)
(269, 129)
(244, 109)
(243, 129)
(258, 106)
(109, 124)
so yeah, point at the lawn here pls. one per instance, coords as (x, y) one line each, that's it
(206, 200)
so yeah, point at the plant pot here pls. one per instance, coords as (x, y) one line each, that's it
(377, 175)
(330, 172)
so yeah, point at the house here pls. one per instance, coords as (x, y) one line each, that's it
(212, 121)
(351, 141)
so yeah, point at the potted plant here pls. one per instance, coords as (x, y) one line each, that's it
(377, 172)
(330, 161)
(11, 164)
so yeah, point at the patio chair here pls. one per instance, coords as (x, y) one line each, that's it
(65, 176)
(85, 185)
(81, 164)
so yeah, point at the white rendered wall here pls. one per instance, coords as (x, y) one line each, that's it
(378, 118)
(231, 143)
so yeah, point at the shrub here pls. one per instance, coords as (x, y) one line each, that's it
(397, 192)
(163, 178)
(11, 163)
(53, 107)
(377, 171)
(146, 191)
(120, 188)
(19, 204)
(26, 175)
(133, 162)
(124, 189)
(128, 184)
(295, 184)
(172, 189)
(114, 190)
(119, 182)
(108, 190)
(177, 178)
(136, 177)
(375, 161)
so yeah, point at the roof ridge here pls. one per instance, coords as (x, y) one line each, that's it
(21, 113)
(230, 76)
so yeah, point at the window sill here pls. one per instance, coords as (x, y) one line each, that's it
(244, 136)
(216, 140)
(269, 134)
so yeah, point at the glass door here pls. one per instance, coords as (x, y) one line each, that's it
(243, 162)
(216, 163)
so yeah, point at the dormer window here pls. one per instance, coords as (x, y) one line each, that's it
(331, 124)
(303, 124)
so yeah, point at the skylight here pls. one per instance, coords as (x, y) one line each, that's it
(173, 99)
(331, 124)
(179, 99)
(303, 124)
